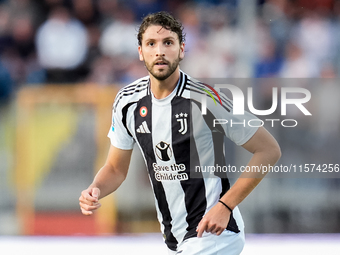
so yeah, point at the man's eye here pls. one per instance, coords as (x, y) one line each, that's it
(151, 44)
(168, 43)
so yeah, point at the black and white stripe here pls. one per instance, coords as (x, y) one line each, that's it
(129, 90)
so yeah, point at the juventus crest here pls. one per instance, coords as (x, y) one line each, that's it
(182, 118)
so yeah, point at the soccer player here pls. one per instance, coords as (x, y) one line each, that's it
(197, 211)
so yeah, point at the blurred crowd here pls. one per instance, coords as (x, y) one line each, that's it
(94, 41)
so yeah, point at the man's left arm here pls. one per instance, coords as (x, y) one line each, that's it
(266, 151)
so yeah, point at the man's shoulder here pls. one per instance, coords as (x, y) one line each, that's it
(197, 90)
(132, 92)
(134, 86)
(187, 85)
(192, 88)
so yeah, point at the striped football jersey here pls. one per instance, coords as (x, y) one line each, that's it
(174, 138)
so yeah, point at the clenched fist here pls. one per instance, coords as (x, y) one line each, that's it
(89, 200)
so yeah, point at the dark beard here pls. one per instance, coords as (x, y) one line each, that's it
(163, 75)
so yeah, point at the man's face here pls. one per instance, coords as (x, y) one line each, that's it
(161, 51)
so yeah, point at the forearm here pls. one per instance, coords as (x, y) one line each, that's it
(107, 180)
(263, 156)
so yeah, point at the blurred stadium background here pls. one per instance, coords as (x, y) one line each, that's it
(61, 63)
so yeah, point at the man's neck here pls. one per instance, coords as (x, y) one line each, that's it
(162, 89)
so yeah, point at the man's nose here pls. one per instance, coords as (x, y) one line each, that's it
(160, 51)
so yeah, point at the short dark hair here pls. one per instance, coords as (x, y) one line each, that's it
(164, 19)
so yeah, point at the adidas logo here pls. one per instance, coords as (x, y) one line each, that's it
(143, 128)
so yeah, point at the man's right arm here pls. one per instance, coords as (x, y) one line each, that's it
(107, 180)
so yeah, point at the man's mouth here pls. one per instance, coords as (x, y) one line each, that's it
(161, 63)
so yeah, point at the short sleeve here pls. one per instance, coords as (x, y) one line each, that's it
(118, 133)
(238, 128)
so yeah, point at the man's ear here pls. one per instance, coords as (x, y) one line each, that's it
(181, 51)
(140, 53)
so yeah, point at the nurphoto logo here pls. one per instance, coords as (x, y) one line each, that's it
(239, 105)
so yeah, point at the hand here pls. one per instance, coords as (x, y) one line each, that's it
(88, 200)
(215, 221)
